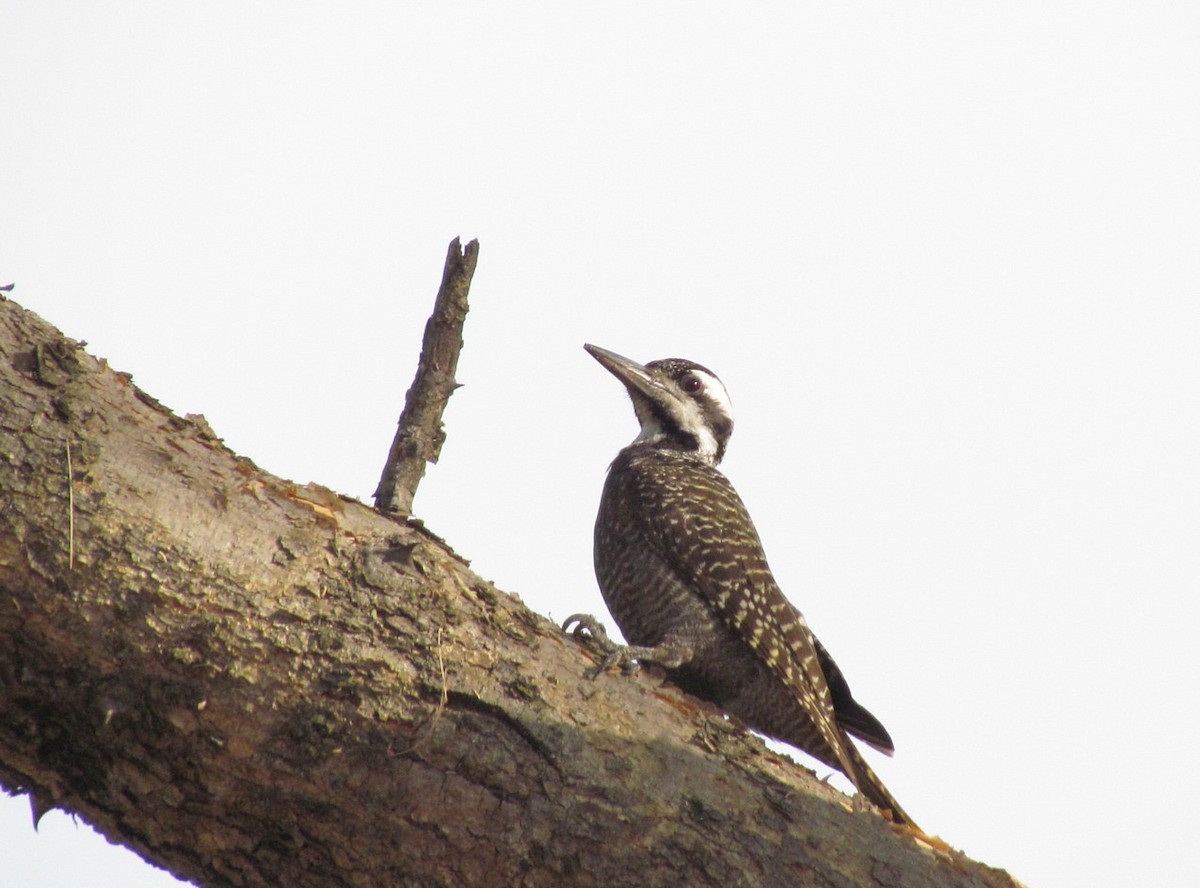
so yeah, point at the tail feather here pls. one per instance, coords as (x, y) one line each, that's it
(856, 721)
(872, 787)
(851, 714)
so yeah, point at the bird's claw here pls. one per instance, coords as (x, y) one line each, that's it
(589, 627)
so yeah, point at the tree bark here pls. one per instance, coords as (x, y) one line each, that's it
(254, 683)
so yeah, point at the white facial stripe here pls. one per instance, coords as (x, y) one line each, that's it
(691, 414)
(691, 417)
(715, 389)
(692, 421)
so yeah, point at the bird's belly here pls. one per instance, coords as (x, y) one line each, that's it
(644, 595)
(726, 673)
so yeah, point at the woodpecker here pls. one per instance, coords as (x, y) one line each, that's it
(684, 575)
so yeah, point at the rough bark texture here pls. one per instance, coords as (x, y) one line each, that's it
(419, 433)
(253, 683)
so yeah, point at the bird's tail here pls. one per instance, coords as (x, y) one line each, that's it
(872, 787)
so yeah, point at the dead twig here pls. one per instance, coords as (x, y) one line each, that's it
(420, 435)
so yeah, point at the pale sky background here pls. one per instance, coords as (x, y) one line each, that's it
(945, 256)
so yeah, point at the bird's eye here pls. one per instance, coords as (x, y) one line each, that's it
(691, 384)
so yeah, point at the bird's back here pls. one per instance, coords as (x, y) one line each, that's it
(673, 536)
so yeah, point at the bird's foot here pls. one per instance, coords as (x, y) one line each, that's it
(589, 627)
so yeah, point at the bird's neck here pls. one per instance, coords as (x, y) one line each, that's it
(674, 445)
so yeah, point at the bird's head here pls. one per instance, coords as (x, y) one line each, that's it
(680, 404)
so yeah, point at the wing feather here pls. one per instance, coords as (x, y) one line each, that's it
(699, 525)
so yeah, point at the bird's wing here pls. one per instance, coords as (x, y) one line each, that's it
(699, 525)
(852, 715)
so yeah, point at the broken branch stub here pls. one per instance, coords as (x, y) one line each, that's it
(419, 434)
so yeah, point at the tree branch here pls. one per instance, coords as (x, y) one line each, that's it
(420, 435)
(253, 683)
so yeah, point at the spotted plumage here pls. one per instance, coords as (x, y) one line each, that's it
(683, 572)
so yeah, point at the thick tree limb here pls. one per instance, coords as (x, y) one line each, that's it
(419, 434)
(253, 683)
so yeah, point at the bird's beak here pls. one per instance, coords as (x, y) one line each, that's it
(635, 376)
